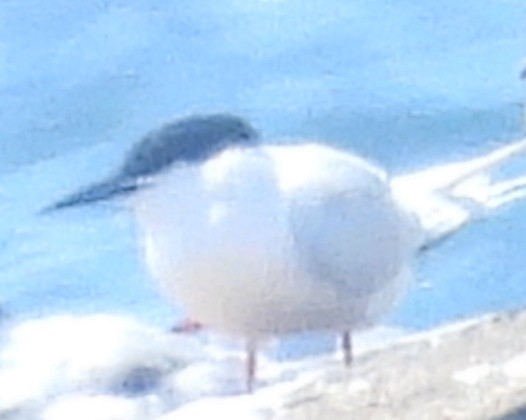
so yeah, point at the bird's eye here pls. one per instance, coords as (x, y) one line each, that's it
(246, 134)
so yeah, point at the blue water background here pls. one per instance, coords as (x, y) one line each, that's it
(407, 84)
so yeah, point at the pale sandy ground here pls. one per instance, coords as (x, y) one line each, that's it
(473, 370)
(110, 368)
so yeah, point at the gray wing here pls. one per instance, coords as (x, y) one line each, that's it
(354, 241)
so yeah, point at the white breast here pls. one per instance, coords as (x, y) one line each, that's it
(276, 239)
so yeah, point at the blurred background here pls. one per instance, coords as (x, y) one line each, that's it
(406, 84)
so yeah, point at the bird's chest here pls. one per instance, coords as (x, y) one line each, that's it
(212, 234)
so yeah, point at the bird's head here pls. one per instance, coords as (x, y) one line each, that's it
(185, 141)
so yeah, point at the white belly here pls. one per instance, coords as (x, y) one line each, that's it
(218, 239)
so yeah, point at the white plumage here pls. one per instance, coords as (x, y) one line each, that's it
(258, 240)
(278, 239)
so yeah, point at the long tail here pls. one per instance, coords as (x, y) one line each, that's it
(446, 197)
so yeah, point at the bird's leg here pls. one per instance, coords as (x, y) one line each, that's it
(251, 364)
(347, 347)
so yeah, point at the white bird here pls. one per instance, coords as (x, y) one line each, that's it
(258, 240)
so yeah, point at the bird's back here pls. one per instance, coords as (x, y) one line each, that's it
(350, 234)
(344, 219)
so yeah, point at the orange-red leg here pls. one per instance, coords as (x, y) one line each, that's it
(251, 365)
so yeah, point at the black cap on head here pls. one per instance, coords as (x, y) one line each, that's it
(186, 141)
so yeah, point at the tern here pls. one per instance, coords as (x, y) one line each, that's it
(258, 240)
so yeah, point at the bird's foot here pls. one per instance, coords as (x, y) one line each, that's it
(187, 326)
